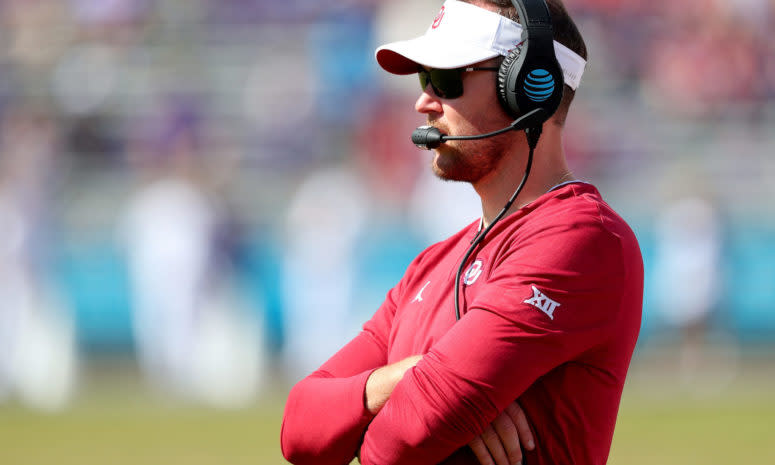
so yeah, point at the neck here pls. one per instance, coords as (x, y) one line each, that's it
(549, 169)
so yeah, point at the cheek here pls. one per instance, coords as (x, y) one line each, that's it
(490, 107)
(478, 115)
(464, 121)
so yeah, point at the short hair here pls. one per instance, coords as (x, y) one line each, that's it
(565, 32)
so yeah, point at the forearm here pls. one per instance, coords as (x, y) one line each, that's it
(415, 427)
(324, 420)
(325, 415)
(382, 381)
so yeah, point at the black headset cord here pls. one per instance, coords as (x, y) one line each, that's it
(532, 134)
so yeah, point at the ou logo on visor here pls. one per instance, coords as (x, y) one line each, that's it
(437, 21)
(472, 273)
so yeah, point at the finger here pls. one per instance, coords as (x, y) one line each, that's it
(509, 437)
(514, 410)
(493, 443)
(480, 451)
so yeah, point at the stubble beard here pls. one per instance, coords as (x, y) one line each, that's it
(467, 161)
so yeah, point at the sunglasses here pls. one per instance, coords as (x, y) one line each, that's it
(447, 83)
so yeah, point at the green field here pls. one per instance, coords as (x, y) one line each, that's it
(115, 421)
(664, 422)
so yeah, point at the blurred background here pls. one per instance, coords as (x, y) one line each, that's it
(201, 200)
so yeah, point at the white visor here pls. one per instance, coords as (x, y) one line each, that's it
(463, 34)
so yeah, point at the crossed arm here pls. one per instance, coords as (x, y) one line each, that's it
(357, 401)
(426, 408)
(499, 444)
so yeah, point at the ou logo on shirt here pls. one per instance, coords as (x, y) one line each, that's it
(472, 273)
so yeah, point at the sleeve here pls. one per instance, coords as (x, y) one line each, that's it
(325, 415)
(502, 345)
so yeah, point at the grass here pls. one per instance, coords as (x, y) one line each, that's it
(116, 421)
(676, 431)
(142, 435)
(711, 418)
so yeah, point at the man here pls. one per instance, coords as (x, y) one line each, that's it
(550, 302)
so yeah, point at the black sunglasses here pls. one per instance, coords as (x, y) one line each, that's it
(447, 83)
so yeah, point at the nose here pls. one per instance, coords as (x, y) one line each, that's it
(428, 102)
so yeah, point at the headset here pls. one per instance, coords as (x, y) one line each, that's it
(530, 76)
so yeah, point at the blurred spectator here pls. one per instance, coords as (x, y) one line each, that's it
(340, 46)
(325, 216)
(35, 33)
(700, 68)
(194, 338)
(37, 346)
(347, 226)
(688, 276)
(113, 21)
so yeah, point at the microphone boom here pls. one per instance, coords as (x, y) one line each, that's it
(429, 137)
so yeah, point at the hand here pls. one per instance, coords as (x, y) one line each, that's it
(499, 443)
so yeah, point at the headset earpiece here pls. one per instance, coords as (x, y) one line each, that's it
(507, 73)
(530, 76)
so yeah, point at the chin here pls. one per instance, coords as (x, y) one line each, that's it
(451, 167)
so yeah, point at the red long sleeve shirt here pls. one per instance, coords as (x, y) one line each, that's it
(551, 312)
